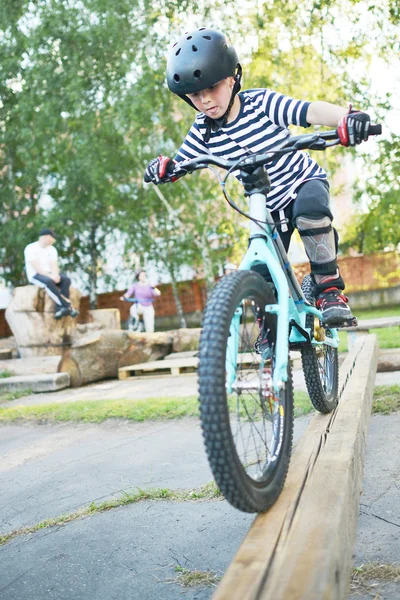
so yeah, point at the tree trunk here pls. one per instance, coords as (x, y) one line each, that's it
(92, 270)
(99, 355)
(208, 268)
(178, 304)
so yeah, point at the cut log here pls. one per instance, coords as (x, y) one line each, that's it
(98, 356)
(30, 316)
(144, 347)
(389, 360)
(109, 318)
(186, 339)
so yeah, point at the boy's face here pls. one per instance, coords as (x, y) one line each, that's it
(214, 101)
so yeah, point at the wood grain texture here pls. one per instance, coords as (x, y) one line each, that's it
(302, 548)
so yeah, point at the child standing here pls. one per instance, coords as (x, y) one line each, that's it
(204, 70)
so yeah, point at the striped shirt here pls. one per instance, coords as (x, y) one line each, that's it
(262, 123)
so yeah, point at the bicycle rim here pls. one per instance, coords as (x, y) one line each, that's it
(247, 428)
(320, 364)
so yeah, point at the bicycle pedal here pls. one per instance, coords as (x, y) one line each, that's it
(342, 324)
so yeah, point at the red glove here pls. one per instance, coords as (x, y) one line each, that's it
(159, 170)
(353, 128)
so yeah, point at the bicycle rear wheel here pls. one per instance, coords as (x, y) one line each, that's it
(247, 431)
(320, 363)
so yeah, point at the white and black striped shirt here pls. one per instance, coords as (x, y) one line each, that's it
(262, 122)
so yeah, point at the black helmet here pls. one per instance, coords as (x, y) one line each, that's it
(198, 60)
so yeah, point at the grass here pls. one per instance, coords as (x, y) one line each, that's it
(205, 492)
(8, 396)
(98, 411)
(388, 337)
(378, 313)
(188, 578)
(365, 577)
(6, 373)
(386, 399)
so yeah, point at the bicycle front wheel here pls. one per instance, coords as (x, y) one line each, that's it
(247, 428)
(320, 363)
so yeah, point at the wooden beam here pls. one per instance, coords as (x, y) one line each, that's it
(302, 548)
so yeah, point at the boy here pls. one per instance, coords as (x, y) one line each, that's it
(203, 69)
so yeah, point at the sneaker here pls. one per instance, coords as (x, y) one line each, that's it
(73, 312)
(61, 312)
(334, 307)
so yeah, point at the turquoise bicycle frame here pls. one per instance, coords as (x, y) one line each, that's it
(266, 247)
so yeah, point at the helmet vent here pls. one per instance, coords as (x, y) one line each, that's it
(207, 37)
(177, 78)
(189, 37)
(197, 73)
(194, 48)
(177, 52)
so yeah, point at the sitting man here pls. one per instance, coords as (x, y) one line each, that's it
(41, 263)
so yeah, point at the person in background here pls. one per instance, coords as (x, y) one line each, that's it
(145, 294)
(41, 264)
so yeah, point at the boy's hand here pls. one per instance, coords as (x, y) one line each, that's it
(158, 170)
(353, 128)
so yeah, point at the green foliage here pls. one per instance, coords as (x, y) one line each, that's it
(378, 229)
(84, 106)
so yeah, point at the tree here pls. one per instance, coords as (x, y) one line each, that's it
(378, 227)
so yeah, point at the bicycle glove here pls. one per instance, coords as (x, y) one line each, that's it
(353, 128)
(159, 170)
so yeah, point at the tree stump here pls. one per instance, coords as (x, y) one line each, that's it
(30, 316)
(99, 355)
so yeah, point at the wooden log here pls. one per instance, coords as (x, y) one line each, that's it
(98, 355)
(109, 318)
(30, 316)
(302, 548)
(389, 360)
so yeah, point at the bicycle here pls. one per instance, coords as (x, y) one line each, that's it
(135, 323)
(246, 398)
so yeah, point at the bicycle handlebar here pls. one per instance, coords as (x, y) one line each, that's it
(135, 300)
(310, 141)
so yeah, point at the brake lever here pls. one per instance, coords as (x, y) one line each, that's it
(318, 143)
(180, 171)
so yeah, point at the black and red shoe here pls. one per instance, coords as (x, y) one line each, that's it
(335, 309)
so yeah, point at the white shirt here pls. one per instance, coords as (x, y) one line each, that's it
(45, 256)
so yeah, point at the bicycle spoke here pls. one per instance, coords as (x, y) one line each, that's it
(255, 419)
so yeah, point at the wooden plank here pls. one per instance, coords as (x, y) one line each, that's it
(173, 366)
(179, 355)
(176, 365)
(302, 548)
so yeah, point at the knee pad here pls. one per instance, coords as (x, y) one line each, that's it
(319, 241)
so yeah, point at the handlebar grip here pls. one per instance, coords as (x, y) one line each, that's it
(375, 130)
